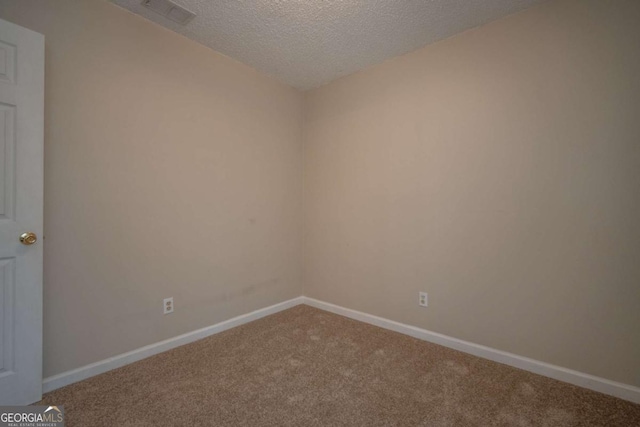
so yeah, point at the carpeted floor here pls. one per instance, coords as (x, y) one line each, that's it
(307, 367)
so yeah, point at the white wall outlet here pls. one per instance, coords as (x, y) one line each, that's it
(168, 305)
(423, 299)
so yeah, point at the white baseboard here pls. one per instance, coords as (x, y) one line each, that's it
(84, 372)
(623, 391)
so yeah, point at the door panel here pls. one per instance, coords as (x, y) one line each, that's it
(7, 284)
(7, 160)
(21, 200)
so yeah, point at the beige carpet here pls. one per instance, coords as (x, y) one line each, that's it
(306, 367)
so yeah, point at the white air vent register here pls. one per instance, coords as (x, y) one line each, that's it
(170, 10)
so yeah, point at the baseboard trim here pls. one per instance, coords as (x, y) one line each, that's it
(88, 371)
(602, 385)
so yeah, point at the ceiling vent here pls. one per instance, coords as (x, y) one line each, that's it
(169, 10)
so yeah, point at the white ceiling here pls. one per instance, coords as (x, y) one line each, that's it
(307, 43)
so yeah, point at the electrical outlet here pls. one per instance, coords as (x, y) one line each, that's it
(168, 305)
(423, 299)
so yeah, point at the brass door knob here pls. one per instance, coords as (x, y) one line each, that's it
(28, 238)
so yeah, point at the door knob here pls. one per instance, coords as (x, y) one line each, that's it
(28, 238)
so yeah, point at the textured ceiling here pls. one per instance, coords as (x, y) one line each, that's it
(307, 43)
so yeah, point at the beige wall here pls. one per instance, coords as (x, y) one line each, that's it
(170, 170)
(498, 170)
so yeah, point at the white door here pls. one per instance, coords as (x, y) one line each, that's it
(21, 183)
